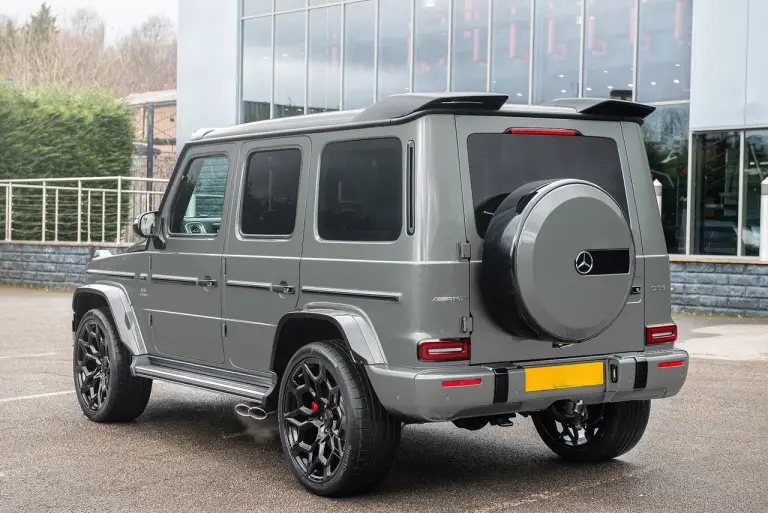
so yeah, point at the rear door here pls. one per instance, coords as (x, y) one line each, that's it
(263, 248)
(494, 162)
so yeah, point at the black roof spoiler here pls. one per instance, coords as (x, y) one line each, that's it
(401, 105)
(603, 107)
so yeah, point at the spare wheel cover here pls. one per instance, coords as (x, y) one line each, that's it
(573, 259)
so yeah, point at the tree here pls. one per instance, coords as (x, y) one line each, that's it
(41, 26)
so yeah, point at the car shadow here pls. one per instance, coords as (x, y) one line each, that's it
(505, 464)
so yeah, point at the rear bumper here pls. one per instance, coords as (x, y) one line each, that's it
(419, 394)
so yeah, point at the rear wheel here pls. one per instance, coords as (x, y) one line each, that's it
(602, 432)
(106, 389)
(336, 435)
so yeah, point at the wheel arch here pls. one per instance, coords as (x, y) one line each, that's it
(116, 300)
(297, 329)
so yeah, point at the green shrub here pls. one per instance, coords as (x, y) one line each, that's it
(61, 133)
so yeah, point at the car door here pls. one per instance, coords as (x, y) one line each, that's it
(263, 251)
(184, 293)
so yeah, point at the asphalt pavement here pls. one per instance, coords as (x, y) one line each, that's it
(704, 449)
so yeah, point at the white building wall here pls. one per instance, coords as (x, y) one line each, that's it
(728, 72)
(208, 65)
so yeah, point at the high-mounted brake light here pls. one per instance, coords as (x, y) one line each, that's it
(661, 334)
(444, 350)
(541, 131)
(462, 382)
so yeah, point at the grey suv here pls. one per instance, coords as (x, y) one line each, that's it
(440, 257)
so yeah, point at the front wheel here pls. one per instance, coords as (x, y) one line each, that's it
(336, 435)
(602, 432)
(106, 389)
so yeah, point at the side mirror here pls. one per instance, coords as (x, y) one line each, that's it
(146, 225)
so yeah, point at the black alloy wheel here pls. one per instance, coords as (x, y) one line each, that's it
(106, 389)
(92, 361)
(336, 436)
(603, 432)
(314, 420)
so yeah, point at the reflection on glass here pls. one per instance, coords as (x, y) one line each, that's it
(609, 48)
(289, 64)
(322, 2)
(556, 49)
(431, 52)
(257, 68)
(324, 59)
(755, 171)
(510, 69)
(288, 5)
(358, 54)
(717, 193)
(394, 47)
(664, 52)
(666, 143)
(469, 60)
(256, 7)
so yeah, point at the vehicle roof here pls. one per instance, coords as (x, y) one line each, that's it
(404, 107)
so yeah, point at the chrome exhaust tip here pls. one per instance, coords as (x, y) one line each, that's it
(253, 412)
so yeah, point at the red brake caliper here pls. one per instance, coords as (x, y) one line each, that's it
(314, 406)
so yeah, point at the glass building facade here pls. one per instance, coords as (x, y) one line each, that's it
(309, 56)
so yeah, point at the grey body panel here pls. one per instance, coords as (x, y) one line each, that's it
(418, 394)
(384, 297)
(489, 342)
(186, 317)
(256, 266)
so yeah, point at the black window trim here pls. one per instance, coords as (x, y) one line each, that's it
(241, 193)
(316, 209)
(167, 215)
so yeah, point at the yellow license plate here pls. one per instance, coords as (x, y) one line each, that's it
(564, 376)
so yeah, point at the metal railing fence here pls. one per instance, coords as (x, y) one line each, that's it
(76, 210)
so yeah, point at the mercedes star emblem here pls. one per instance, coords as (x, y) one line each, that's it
(584, 263)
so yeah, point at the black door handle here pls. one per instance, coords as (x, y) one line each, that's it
(206, 282)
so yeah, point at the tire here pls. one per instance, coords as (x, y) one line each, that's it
(620, 427)
(112, 393)
(346, 411)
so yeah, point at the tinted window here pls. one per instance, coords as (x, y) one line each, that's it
(200, 197)
(500, 163)
(271, 192)
(360, 192)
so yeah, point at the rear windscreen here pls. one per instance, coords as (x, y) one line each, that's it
(500, 163)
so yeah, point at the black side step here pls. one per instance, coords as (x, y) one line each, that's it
(256, 390)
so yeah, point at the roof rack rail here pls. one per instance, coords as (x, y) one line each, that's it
(200, 133)
(400, 105)
(603, 107)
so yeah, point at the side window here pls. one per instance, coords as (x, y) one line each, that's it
(360, 196)
(271, 193)
(199, 202)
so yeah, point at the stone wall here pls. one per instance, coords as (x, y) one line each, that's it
(52, 266)
(720, 288)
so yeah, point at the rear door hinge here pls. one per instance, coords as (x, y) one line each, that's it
(465, 251)
(224, 328)
(467, 326)
(224, 266)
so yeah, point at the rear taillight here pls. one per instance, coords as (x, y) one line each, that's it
(452, 350)
(541, 131)
(660, 334)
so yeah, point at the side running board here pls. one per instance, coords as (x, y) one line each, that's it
(255, 390)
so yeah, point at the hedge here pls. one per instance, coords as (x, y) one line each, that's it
(58, 133)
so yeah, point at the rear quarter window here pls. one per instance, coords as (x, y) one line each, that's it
(500, 163)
